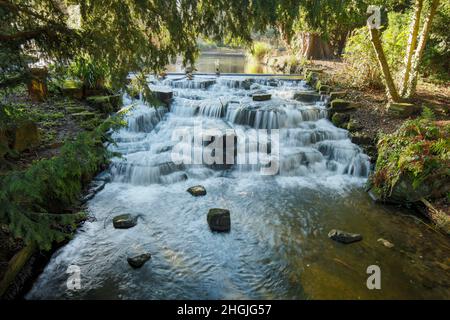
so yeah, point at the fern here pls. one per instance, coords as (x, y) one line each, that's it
(30, 199)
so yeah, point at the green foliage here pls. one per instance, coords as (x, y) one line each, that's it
(92, 74)
(436, 60)
(260, 50)
(419, 149)
(31, 199)
(362, 65)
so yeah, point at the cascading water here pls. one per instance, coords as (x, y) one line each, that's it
(278, 245)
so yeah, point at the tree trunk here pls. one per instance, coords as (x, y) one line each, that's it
(313, 47)
(391, 90)
(412, 42)
(412, 84)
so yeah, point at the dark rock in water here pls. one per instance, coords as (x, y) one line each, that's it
(104, 176)
(246, 84)
(137, 261)
(219, 220)
(307, 96)
(197, 191)
(344, 237)
(261, 96)
(96, 186)
(87, 197)
(124, 221)
(272, 82)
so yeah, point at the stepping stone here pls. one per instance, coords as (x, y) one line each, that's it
(219, 220)
(124, 221)
(137, 261)
(261, 96)
(197, 191)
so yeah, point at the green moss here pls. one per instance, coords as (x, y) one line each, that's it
(341, 105)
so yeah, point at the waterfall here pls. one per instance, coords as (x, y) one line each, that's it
(309, 145)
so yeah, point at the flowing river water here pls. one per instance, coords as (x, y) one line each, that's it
(278, 246)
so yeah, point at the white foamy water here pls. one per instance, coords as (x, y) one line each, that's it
(278, 223)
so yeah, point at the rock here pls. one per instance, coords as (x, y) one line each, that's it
(87, 197)
(26, 136)
(197, 191)
(138, 260)
(104, 176)
(385, 243)
(324, 88)
(105, 104)
(404, 191)
(354, 126)
(37, 85)
(261, 96)
(124, 221)
(73, 89)
(339, 105)
(219, 220)
(247, 84)
(307, 96)
(344, 237)
(162, 93)
(361, 139)
(337, 95)
(340, 119)
(272, 82)
(402, 110)
(255, 86)
(96, 186)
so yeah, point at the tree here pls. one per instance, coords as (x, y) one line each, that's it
(413, 56)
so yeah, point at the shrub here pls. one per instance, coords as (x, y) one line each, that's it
(418, 150)
(260, 50)
(362, 66)
(92, 74)
(31, 200)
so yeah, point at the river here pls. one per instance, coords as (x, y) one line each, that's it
(278, 246)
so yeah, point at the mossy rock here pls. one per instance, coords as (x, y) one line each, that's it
(219, 220)
(324, 89)
(307, 96)
(337, 95)
(361, 139)
(340, 105)
(340, 119)
(85, 115)
(105, 104)
(25, 136)
(72, 88)
(402, 110)
(354, 126)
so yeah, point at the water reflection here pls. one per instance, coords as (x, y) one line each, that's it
(236, 62)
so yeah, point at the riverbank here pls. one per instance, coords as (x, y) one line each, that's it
(52, 150)
(368, 119)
